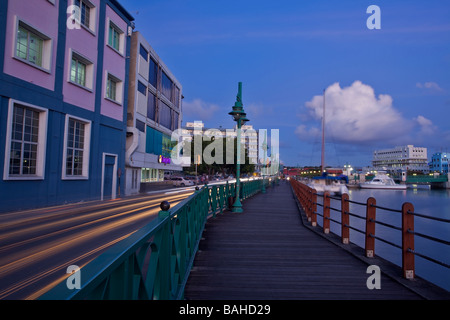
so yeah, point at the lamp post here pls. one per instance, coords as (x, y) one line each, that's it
(241, 118)
(264, 147)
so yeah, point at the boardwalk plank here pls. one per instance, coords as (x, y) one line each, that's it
(267, 253)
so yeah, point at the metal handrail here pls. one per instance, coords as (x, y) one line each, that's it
(155, 261)
(307, 198)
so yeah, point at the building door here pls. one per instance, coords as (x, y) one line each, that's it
(109, 178)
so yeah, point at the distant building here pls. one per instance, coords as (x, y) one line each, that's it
(404, 158)
(63, 81)
(154, 112)
(440, 162)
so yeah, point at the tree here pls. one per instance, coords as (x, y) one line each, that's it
(217, 155)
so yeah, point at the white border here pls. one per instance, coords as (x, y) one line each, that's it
(42, 142)
(86, 151)
(114, 180)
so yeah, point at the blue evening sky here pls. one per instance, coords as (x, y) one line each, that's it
(384, 87)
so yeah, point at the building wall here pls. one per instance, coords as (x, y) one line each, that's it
(148, 134)
(84, 42)
(401, 158)
(58, 100)
(24, 11)
(440, 162)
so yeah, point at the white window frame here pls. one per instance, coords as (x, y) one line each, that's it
(119, 88)
(41, 145)
(47, 46)
(89, 74)
(86, 149)
(121, 33)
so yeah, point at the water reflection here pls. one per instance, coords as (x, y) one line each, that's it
(434, 203)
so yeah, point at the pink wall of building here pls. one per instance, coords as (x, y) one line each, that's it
(25, 11)
(84, 42)
(114, 63)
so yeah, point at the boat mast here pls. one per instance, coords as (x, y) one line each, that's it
(322, 164)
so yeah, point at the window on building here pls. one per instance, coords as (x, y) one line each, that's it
(81, 71)
(114, 88)
(29, 46)
(75, 148)
(26, 142)
(142, 88)
(85, 12)
(32, 46)
(111, 88)
(166, 86)
(151, 106)
(78, 72)
(167, 146)
(115, 40)
(143, 52)
(153, 72)
(140, 125)
(175, 120)
(165, 115)
(176, 97)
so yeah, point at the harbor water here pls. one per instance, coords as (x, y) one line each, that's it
(434, 203)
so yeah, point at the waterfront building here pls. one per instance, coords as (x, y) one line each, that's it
(62, 100)
(154, 112)
(440, 162)
(403, 158)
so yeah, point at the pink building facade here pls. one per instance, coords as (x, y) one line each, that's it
(63, 113)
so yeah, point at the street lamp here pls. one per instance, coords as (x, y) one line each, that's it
(264, 147)
(241, 118)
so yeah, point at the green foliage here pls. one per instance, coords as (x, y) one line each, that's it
(224, 153)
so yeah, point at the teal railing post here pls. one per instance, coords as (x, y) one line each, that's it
(162, 283)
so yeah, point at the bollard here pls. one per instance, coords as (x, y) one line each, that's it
(313, 208)
(310, 204)
(407, 241)
(326, 212)
(370, 227)
(345, 219)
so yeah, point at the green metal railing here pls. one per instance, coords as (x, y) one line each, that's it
(155, 261)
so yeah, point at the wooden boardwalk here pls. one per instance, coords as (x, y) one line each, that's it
(266, 253)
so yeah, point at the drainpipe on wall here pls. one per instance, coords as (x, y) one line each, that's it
(135, 143)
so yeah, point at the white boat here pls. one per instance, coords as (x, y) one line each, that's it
(382, 181)
(331, 184)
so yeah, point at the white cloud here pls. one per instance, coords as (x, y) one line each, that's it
(429, 85)
(355, 115)
(199, 109)
(426, 126)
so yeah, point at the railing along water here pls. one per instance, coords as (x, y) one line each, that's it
(307, 198)
(155, 261)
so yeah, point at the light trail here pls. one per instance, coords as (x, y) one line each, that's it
(33, 279)
(51, 246)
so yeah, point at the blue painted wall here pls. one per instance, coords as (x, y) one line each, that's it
(107, 135)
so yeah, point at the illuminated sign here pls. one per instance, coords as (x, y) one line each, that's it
(164, 160)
